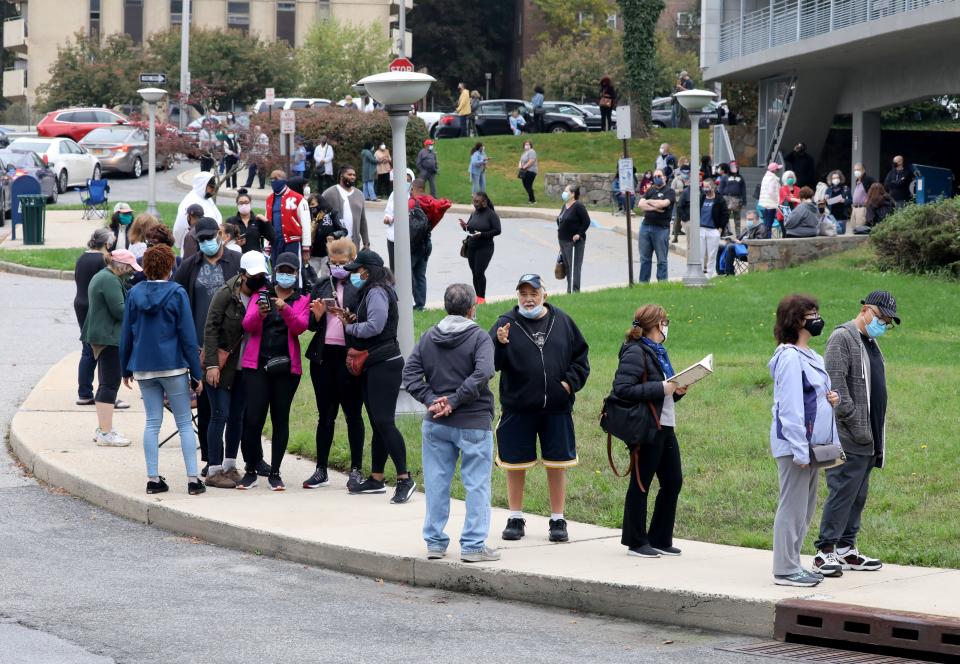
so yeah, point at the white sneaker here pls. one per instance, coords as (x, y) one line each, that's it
(484, 555)
(111, 439)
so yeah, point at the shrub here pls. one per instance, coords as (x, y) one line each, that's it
(920, 239)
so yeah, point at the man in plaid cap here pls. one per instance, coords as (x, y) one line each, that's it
(855, 364)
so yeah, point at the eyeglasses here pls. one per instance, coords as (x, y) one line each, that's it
(887, 322)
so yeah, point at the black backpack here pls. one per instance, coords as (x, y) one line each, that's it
(419, 227)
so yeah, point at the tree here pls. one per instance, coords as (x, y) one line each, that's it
(572, 69)
(575, 16)
(88, 73)
(639, 51)
(672, 58)
(336, 55)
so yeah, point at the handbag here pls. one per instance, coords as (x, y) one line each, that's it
(826, 456)
(463, 248)
(605, 102)
(521, 172)
(826, 229)
(277, 366)
(636, 424)
(560, 268)
(355, 360)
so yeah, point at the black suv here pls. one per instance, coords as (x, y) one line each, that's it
(493, 117)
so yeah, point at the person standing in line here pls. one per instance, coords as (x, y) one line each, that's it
(482, 226)
(478, 168)
(898, 181)
(222, 355)
(542, 359)
(384, 169)
(347, 201)
(326, 229)
(666, 162)
(528, 169)
(769, 201)
(733, 189)
(106, 297)
(474, 109)
(803, 403)
(206, 141)
(714, 218)
(368, 164)
(231, 155)
(253, 228)
(861, 187)
(120, 222)
(858, 373)
(259, 148)
(657, 207)
(789, 198)
(158, 349)
(203, 187)
(572, 225)
(333, 385)
(449, 372)
(427, 166)
(299, 167)
(607, 102)
(388, 216)
(537, 102)
(641, 377)
(463, 109)
(289, 215)
(137, 233)
(274, 321)
(323, 158)
(840, 210)
(801, 163)
(373, 328)
(190, 245)
(88, 264)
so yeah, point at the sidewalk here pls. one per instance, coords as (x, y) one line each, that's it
(710, 586)
(64, 229)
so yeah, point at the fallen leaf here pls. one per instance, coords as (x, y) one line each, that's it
(667, 642)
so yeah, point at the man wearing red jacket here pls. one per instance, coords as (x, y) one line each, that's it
(434, 208)
(289, 215)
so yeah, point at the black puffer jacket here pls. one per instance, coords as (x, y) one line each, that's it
(628, 384)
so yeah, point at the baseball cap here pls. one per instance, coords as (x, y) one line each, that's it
(253, 262)
(206, 228)
(773, 166)
(427, 143)
(532, 279)
(122, 207)
(287, 259)
(365, 258)
(127, 258)
(195, 210)
(885, 302)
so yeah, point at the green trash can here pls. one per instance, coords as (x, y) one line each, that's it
(34, 211)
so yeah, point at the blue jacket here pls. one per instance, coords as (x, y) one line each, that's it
(801, 413)
(158, 333)
(478, 162)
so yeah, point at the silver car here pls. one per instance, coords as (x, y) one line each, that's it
(120, 149)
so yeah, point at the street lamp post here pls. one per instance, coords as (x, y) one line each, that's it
(694, 101)
(397, 91)
(152, 96)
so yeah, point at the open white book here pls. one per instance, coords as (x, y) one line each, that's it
(694, 373)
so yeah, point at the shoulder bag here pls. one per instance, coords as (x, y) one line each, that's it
(560, 268)
(822, 456)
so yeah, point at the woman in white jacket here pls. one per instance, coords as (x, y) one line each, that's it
(770, 196)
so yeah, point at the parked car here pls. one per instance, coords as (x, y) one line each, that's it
(70, 162)
(16, 163)
(493, 117)
(591, 119)
(287, 103)
(76, 123)
(662, 113)
(119, 149)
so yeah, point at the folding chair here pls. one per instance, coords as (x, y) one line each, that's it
(193, 417)
(94, 198)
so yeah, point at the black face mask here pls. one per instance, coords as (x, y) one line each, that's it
(347, 183)
(314, 211)
(814, 326)
(256, 282)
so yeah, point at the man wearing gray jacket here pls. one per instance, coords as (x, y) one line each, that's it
(449, 372)
(855, 364)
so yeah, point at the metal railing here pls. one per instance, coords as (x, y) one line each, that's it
(788, 21)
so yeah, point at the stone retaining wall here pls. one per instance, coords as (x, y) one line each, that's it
(779, 254)
(595, 188)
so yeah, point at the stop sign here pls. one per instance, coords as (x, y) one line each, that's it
(401, 64)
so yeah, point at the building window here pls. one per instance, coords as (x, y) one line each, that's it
(133, 20)
(176, 12)
(612, 21)
(238, 16)
(95, 19)
(287, 22)
(688, 25)
(323, 10)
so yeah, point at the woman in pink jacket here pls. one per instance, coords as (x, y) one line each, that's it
(274, 321)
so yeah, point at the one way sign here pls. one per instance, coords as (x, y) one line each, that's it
(153, 79)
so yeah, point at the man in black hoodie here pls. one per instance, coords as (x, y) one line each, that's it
(542, 359)
(448, 372)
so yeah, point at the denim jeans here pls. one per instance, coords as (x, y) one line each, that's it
(653, 239)
(88, 365)
(418, 268)
(441, 446)
(769, 219)
(478, 182)
(177, 390)
(226, 412)
(369, 190)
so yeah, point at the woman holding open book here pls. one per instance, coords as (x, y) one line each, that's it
(642, 377)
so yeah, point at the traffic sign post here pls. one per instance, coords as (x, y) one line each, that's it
(153, 79)
(625, 174)
(288, 122)
(401, 65)
(269, 97)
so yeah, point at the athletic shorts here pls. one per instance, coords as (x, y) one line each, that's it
(517, 435)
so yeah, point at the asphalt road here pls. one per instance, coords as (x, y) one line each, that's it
(81, 586)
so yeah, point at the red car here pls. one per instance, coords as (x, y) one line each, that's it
(76, 123)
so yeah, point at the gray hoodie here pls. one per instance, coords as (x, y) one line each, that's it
(454, 359)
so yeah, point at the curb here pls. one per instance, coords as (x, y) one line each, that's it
(41, 272)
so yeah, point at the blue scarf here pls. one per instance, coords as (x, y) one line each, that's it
(662, 356)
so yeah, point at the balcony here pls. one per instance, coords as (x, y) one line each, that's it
(15, 84)
(15, 35)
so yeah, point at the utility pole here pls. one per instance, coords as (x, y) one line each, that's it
(184, 62)
(402, 25)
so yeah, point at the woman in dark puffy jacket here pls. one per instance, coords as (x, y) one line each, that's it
(640, 378)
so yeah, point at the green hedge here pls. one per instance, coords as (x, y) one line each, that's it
(921, 239)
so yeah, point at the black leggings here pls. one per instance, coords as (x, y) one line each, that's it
(606, 118)
(267, 392)
(479, 256)
(381, 387)
(528, 179)
(108, 375)
(662, 458)
(334, 388)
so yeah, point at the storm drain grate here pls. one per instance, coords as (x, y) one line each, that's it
(799, 652)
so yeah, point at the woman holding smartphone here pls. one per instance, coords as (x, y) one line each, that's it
(333, 386)
(482, 226)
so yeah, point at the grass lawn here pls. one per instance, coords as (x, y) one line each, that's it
(52, 259)
(596, 152)
(730, 489)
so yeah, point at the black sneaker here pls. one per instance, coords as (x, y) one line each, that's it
(263, 468)
(645, 551)
(667, 550)
(370, 485)
(354, 479)
(276, 484)
(558, 530)
(318, 479)
(205, 470)
(195, 488)
(404, 490)
(515, 529)
(248, 481)
(157, 487)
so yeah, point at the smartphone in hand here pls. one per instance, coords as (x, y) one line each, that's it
(330, 303)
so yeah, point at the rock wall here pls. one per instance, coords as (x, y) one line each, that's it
(595, 188)
(778, 254)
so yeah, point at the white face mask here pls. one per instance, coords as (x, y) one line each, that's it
(383, 147)
(244, 208)
(664, 330)
(857, 174)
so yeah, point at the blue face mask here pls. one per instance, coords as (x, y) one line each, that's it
(285, 280)
(532, 313)
(876, 328)
(126, 218)
(357, 281)
(210, 247)
(565, 196)
(278, 186)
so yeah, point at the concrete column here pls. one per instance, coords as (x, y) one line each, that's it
(866, 141)
(711, 15)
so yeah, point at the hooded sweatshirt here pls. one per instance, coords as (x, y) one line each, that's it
(196, 195)
(454, 359)
(802, 416)
(158, 333)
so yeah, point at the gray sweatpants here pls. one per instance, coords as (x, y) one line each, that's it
(848, 486)
(798, 501)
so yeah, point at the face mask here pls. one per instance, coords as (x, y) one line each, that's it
(314, 211)
(707, 191)
(565, 196)
(126, 218)
(337, 272)
(658, 181)
(256, 282)
(208, 194)
(231, 136)
(814, 326)
(790, 181)
(835, 181)
(285, 280)
(210, 247)
(532, 313)
(356, 280)
(383, 147)
(346, 183)
(430, 148)
(857, 174)
(662, 151)
(278, 186)
(665, 331)
(733, 171)
(751, 222)
(244, 208)
(876, 328)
